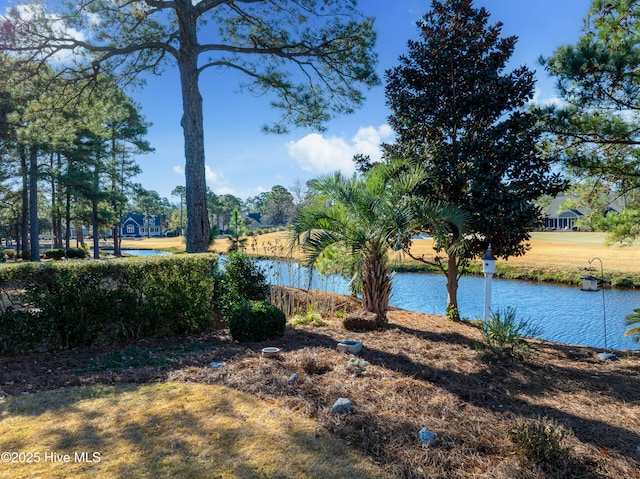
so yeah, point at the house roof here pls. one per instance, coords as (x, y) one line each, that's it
(557, 208)
(138, 219)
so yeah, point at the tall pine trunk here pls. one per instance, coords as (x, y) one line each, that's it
(114, 190)
(67, 218)
(34, 251)
(24, 220)
(193, 128)
(95, 226)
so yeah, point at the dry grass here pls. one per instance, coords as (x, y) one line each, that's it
(553, 250)
(423, 371)
(173, 430)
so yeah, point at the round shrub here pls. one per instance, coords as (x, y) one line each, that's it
(54, 254)
(76, 253)
(255, 321)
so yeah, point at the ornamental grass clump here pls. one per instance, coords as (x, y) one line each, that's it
(506, 336)
(542, 442)
(310, 317)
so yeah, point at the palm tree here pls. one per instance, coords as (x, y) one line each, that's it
(631, 319)
(367, 215)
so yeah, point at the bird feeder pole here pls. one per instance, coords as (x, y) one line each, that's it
(488, 268)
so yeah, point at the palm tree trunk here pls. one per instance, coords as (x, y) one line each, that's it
(376, 284)
(452, 287)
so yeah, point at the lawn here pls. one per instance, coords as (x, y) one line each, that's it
(166, 429)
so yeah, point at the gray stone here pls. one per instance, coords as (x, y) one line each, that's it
(607, 357)
(342, 406)
(293, 378)
(426, 436)
(350, 346)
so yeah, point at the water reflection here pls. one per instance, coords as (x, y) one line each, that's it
(565, 314)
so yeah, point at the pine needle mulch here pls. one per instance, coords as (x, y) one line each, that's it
(420, 371)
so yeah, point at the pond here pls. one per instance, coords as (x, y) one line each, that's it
(565, 314)
(144, 252)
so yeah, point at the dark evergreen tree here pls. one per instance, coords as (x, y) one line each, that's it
(464, 119)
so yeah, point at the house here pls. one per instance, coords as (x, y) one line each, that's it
(256, 221)
(136, 225)
(558, 217)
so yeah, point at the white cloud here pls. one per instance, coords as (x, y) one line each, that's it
(549, 101)
(220, 185)
(55, 23)
(320, 154)
(212, 176)
(227, 190)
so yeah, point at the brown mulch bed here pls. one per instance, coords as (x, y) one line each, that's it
(422, 371)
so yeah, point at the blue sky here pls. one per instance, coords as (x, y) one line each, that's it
(244, 161)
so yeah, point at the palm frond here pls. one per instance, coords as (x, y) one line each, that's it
(631, 319)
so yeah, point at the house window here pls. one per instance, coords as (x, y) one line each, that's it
(130, 229)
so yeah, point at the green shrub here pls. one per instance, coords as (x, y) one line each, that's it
(242, 278)
(104, 301)
(76, 253)
(505, 335)
(542, 442)
(23, 331)
(54, 254)
(255, 321)
(10, 254)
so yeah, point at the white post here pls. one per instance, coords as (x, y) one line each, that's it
(488, 268)
(487, 295)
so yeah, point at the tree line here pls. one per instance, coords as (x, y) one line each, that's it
(66, 151)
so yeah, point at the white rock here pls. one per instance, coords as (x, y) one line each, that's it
(342, 406)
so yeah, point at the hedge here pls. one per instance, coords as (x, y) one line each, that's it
(66, 304)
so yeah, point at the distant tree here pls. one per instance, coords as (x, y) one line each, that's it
(150, 204)
(180, 191)
(278, 206)
(597, 126)
(255, 204)
(237, 230)
(464, 120)
(363, 162)
(299, 195)
(226, 205)
(327, 42)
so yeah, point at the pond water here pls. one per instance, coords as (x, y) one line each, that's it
(564, 314)
(144, 252)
